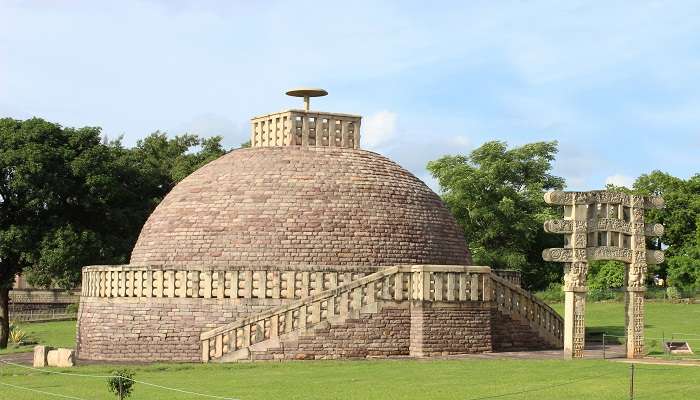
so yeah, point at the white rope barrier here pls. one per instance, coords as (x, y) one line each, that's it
(116, 376)
(42, 392)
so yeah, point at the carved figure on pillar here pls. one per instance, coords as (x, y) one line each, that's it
(603, 225)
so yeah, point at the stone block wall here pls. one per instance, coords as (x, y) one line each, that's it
(382, 334)
(164, 329)
(397, 329)
(154, 329)
(450, 328)
(25, 300)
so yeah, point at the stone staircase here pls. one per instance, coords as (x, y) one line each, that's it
(522, 321)
(399, 311)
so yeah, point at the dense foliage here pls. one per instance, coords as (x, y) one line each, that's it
(496, 195)
(68, 198)
(681, 219)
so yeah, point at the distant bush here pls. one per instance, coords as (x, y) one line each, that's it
(673, 293)
(72, 308)
(601, 294)
(606, 274)
(655, 293)
(553, 294)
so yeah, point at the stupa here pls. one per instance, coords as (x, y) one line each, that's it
(302, 246)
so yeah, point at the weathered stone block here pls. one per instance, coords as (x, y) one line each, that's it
(61, 358)
(40, 354)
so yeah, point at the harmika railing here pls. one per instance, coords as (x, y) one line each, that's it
(518, 303)
(398, 283)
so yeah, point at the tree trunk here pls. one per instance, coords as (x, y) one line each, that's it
(4, 316)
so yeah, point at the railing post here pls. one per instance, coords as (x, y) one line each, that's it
(302, 318)
(357, 299)
(487, 287)
(343, 306)
(370, 293)
(474, 289)
(205, 350)
(398, 286)
(274, 326)
(219, 346)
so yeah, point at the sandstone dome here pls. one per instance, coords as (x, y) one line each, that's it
(300, 205)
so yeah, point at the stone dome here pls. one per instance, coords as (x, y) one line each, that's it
(300, 205)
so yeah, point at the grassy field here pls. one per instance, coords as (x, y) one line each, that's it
(662, 321)
(386, 379)
(57, 334)
(407, 379)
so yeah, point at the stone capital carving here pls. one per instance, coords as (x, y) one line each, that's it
(636, 274)
(575, 276)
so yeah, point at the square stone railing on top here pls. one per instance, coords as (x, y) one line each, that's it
(304, 128)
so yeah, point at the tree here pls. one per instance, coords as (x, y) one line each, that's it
(168, 161)
(35, 189)
(496, 195)
(68, 198)
(681, 219)
(121, 383)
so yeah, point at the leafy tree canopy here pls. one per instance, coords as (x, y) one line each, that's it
(495, 193)
(68, 198)
(681, 219)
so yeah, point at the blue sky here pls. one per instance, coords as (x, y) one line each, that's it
(616, 83)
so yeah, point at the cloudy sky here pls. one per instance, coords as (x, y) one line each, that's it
(616, 83)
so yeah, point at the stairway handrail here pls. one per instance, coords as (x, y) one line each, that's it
(530, 296)
(340, 289)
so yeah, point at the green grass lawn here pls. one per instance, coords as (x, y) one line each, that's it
(662, 320)
(387, 379)
(56, 334)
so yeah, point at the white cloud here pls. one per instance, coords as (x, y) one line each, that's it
(378, 129)
(620, 180)
(461, 141)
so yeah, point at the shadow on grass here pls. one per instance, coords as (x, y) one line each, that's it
(614, 333)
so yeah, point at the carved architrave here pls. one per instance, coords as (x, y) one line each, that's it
(558, 226)
(603, 224)
(603, 196)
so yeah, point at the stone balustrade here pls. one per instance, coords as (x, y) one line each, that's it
(238, 309)
(511, 275)
(394, 284)
(211, 282)
(519, 303)
(305, 128)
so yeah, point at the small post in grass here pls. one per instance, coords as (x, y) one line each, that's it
(603, 345)
(632, 382)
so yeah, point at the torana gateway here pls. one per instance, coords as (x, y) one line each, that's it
(304, 246)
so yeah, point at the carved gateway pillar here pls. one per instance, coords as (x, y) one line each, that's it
(603, 225)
